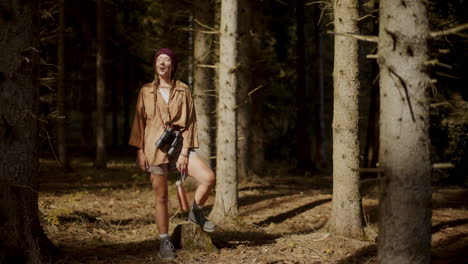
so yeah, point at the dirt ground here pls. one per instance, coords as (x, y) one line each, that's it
(106, 216)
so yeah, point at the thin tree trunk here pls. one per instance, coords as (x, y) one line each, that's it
(203, 76)
(126, 71)
(226, 200)
(22, 238)
(62, 116)
(256, 147)
(303, 145)
(244, 82)
(100, 89)
(346, 216)
(405, 205)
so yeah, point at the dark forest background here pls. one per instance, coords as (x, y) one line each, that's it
(135, 29)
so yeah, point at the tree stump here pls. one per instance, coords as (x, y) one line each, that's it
(191, 237)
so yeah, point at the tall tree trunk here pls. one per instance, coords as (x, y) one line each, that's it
(22, 237)
(405, 210)
(369, 95)
(346, 216)
(202, 45)
(302, 133)
(62, 115)
(100, 161)
(244, 86)
(226, 200)
(126, 70)
(256, 146)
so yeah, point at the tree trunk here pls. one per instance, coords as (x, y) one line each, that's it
(62, 117)
(244, 86)
(302, 133)
(226, 170)
(100, 88)
(22, 237)
(405, 205)
(256, 147)
(202, 46)
(346, 216)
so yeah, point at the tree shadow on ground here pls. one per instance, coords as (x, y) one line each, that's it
(251, 199)
(108, 253)
(233, 238)
(291, 213)
(452, 250)
(457, 222)
(363, 255)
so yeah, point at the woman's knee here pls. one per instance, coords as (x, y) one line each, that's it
(209, 178)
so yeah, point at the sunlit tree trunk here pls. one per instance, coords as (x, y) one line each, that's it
(100, 161)
(22, 238)
(346, 216)
(62, 115)
(405, 205)
(227, 183)
(202, 49)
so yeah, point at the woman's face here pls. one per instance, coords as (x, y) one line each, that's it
(163, 66)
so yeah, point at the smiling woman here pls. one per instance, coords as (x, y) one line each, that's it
(165, 133)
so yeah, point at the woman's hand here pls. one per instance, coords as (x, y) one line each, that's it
(182, 163)
(142, 161)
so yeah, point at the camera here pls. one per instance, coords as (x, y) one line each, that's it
(171, 137)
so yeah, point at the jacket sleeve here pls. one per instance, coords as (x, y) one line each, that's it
(137, 136)
(190, 132)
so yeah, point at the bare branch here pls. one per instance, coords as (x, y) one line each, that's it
(203, 25)
(200, 31)
(253, 91)
(207, 66)
(443, 165)
(438, 63)
(447, 75)
(374, 39)
(450, 31)
(368, 15)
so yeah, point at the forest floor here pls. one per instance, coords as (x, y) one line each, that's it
(106, 216)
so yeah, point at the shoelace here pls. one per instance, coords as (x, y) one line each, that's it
(168, 244)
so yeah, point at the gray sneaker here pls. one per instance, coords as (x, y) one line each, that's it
(196, 216)
(166, 249)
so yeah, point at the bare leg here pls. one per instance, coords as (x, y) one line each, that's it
(159, 183)
(198, 169)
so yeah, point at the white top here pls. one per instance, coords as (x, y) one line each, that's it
(165, 95)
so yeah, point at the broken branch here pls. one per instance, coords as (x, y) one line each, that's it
(446, 32)
(367, 38)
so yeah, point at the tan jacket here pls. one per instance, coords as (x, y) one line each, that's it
(147, 126)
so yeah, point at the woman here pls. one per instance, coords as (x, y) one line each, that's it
(166, 105)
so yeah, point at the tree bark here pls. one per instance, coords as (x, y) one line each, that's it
(226, 199)
(22, 237)
(100, 161)
(244, 86)
(346, 216)
(202, 46)
(405, 205)
(62, 116)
